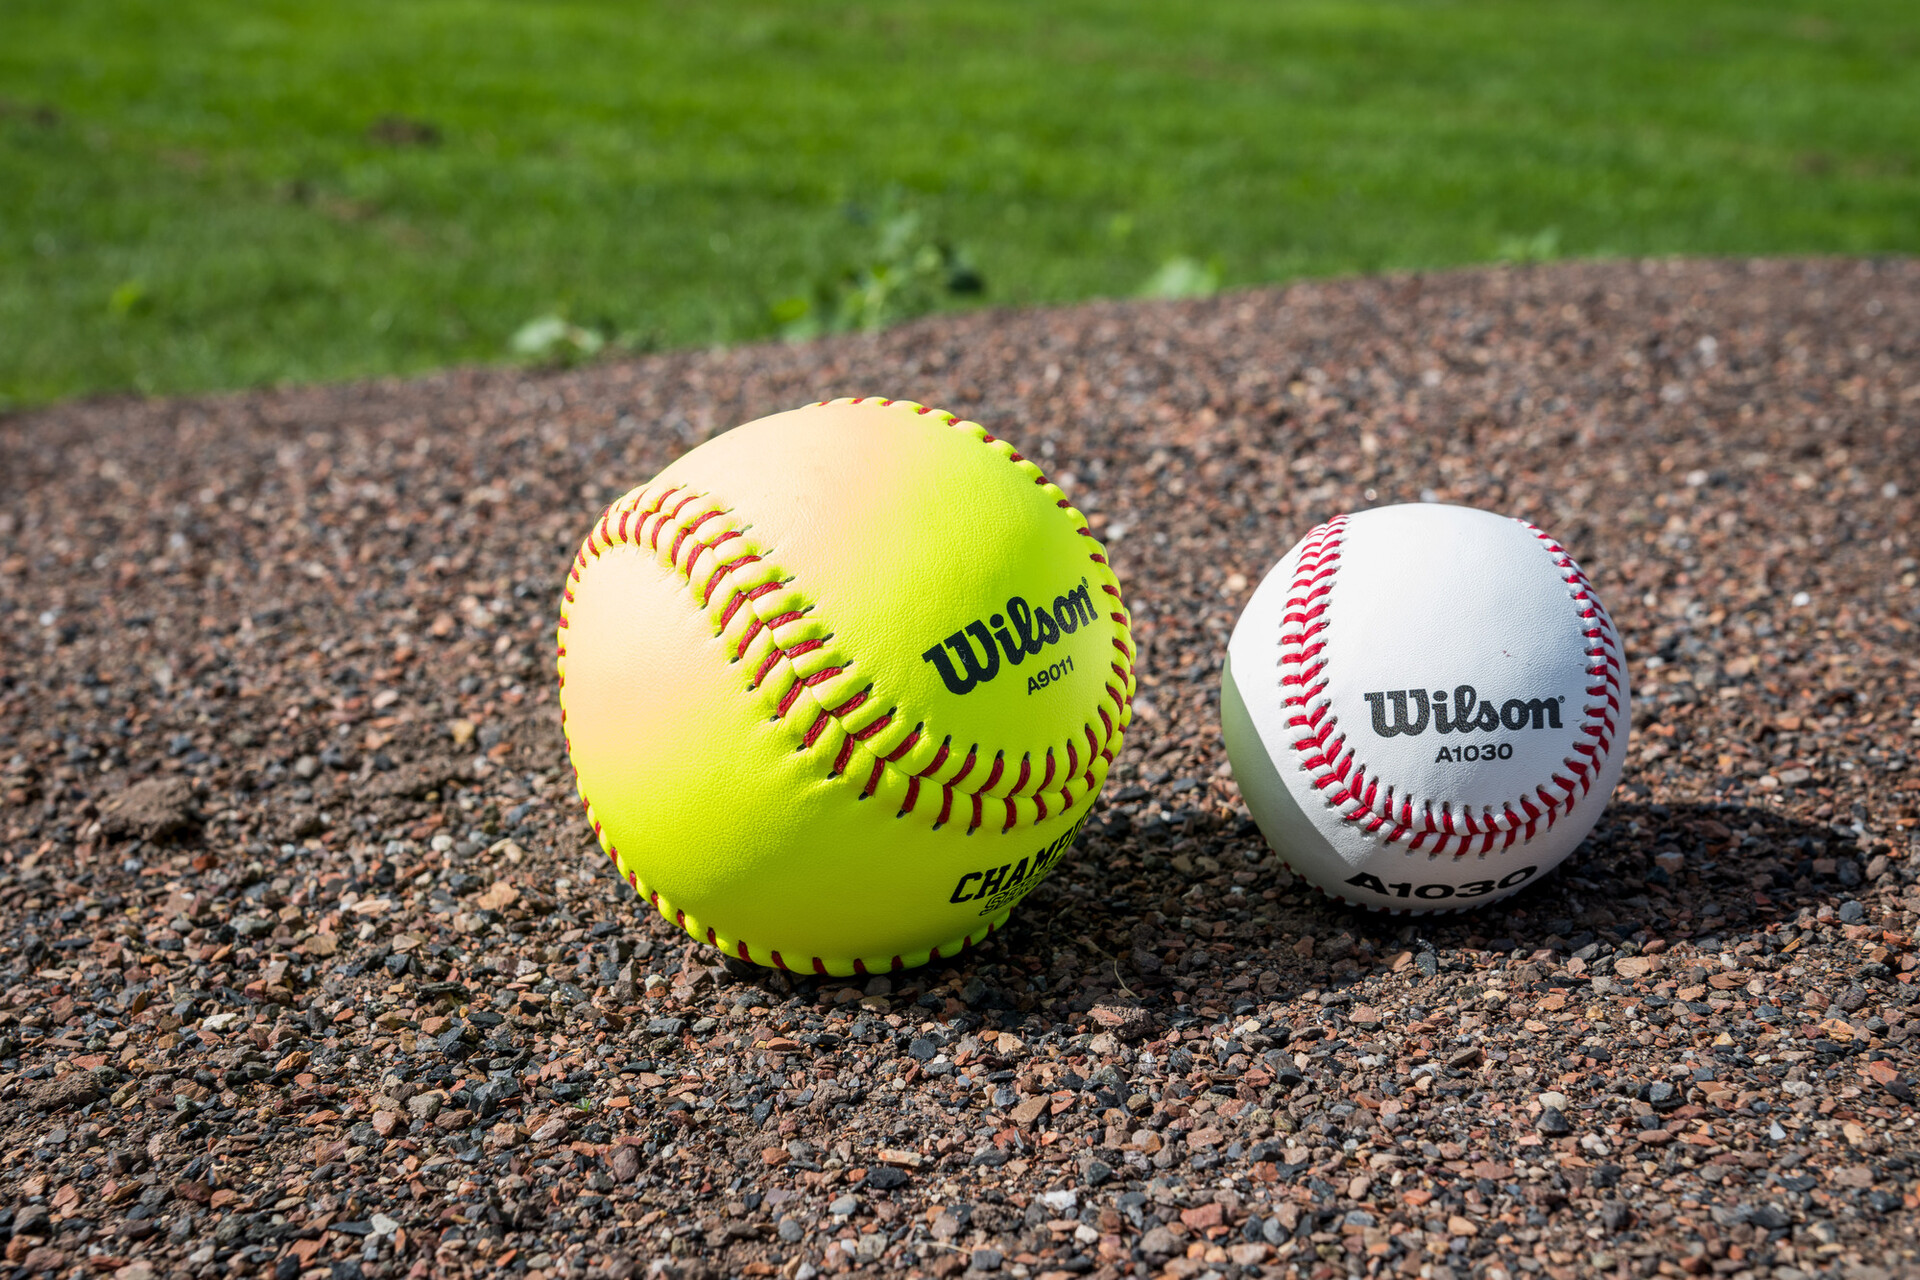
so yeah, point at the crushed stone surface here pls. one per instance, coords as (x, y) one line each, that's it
(310, 967)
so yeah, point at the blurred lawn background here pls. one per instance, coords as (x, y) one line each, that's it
(209, 193)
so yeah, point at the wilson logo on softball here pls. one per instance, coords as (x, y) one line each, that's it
(1410, 711)
(971, 656)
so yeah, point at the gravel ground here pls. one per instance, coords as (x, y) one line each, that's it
(311, 967)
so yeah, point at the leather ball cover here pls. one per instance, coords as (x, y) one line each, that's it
(840, 685)
(1425, 706)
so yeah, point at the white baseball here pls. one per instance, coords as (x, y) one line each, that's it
(1425, 707)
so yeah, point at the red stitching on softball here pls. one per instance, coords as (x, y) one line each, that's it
(939, 758)
(1333, 767)
(686, 531)
(791, 696)
(813, 733)
(738, 562)
(973, 755)
(667, 517)
(840, 712)
(819, 677)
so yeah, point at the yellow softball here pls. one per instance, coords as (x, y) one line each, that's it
(840, 685)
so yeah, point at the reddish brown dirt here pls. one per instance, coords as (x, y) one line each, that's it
(352, 993)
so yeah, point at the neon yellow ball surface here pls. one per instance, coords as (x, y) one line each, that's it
(840, 685)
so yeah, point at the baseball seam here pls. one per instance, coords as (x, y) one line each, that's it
(764, 620)
(1335, 769)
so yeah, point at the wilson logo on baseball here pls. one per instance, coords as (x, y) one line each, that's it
(1410, 711)
(1022, 632)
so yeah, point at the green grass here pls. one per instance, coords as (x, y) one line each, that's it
(196, 194)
